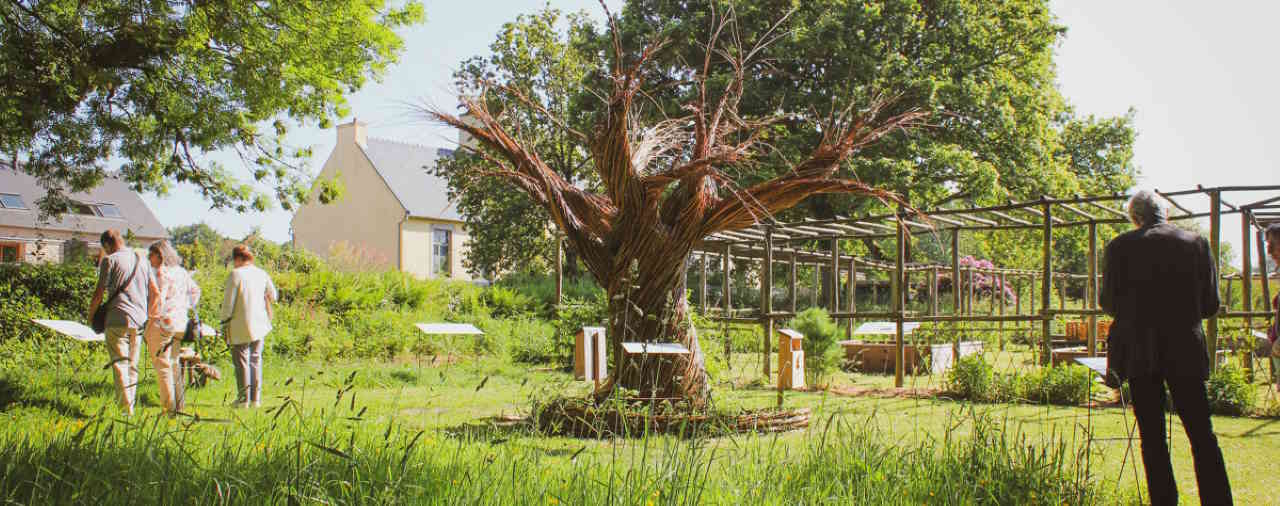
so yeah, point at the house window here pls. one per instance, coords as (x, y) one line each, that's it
(10, 252)
(441, 263)
(11, 201)
(108, 211)
(82, 208)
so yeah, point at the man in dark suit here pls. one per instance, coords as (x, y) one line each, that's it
(1159, 282)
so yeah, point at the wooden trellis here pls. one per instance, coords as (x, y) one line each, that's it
(791, 243)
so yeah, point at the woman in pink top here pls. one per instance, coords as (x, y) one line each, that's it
(178, 294)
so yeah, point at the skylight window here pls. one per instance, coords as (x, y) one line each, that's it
(11, 201)
(108, 211)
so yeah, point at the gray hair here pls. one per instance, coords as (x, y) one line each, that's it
(168, 256)
(1273, 230)
(1146, 208)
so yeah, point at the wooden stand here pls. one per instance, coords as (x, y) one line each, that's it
(589, 360)
(790, 359)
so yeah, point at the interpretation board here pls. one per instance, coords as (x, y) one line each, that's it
(1095, 364)
(884, 328)
(448, 328)
(74, 330)
(655, 349)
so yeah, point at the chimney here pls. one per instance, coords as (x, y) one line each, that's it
(353, 132)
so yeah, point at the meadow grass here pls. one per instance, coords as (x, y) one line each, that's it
(378, 432)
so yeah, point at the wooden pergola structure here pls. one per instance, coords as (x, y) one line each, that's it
(791, 243)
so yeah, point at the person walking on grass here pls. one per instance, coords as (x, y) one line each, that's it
(246, 319)
(130, 295)
(178, 294)
(1273, 332)
(1158, 283)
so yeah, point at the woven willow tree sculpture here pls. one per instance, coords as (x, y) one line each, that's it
(667, 184)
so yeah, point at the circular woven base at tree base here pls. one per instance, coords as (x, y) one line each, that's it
(575, 418)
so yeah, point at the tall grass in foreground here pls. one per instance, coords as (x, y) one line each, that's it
(286, 457)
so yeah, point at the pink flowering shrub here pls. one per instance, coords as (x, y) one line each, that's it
(983, 283)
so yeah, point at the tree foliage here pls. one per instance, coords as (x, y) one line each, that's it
(160, 85)
(999, 127)
(542, 56)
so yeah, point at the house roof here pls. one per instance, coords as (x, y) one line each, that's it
(405, 168)
(136, 216)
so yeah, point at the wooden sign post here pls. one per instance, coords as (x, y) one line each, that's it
(589, 360)
(790, 359)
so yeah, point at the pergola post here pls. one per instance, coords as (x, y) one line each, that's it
(1215, 241)
(766, 297)
(955, 293)
(817, 284)
(726, 290)
(853, 294)
(1017, 295)
(1246, 284)
(968, 305)
(898, 347)
(1000, 325)
(1262, 270)
(833, 298)
(1091, 289)
(1046, 283)
(793, 283)
(1062, 291)
(850, 294)
(726, 265)
(1266, 283)
(559, 270)
(933, 291)
(955, 271)
(702, 294)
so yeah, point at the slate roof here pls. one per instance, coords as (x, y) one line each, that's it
(405, 167)
(136, 215)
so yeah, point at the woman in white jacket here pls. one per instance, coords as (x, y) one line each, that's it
(246, 319)
(178, 294)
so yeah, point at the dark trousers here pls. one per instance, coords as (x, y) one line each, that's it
(1192, 405)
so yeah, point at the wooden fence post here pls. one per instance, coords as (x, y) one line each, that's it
(1091, 290)
(1046, 284)
(898, 348)
(1215, 241)
(1246, 285)
(766, 297)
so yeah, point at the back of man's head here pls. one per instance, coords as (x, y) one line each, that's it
(1273, 232)
(111, 240)
(1146, 208)
(241, 253)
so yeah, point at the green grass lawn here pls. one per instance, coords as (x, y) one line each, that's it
(372, 432)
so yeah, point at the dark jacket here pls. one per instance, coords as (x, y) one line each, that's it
(1158, 282)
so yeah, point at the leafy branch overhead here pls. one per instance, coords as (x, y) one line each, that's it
(162, 85)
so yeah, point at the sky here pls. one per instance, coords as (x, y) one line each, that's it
(1198, 75)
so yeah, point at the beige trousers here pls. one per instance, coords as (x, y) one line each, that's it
(123, 347)
(164, 358)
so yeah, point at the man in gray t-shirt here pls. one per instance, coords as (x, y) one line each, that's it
(126, 312)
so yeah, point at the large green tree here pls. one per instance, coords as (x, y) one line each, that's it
(544, 57)
(702, 124)
(1001, 129)
(161, 84)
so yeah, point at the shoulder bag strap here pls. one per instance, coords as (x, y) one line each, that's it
(136, 263)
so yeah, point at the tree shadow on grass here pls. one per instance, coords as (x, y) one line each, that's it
(14, 395)
(495, 430)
